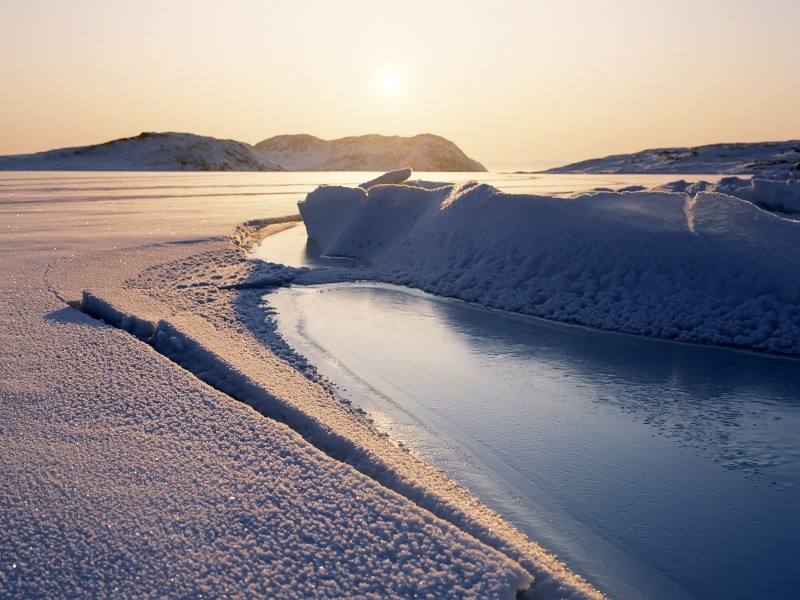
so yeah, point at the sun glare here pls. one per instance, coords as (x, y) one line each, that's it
(390, 83)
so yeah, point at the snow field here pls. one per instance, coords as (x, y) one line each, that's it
(126, 476)
(184, 493)
(708, 268)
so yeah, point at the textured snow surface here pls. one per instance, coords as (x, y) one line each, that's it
(773, 159)
(706, 268)
(122, 473)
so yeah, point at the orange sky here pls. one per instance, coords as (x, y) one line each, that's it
(507, 80)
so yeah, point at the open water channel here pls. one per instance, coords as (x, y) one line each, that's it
(654, 469)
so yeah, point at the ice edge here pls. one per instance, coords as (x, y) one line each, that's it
(189, 354)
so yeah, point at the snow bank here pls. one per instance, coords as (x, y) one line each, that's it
(708, 268)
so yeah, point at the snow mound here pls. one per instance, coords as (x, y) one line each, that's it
(146, 152)
(770, 159)
(425, 152)
(706, 268)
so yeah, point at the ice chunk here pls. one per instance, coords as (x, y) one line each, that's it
(392, 177)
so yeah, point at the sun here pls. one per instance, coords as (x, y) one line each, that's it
(390, 83)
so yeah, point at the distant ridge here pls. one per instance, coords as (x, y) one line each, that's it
(146, 152)
(425, 152)
(772, 159)
(188, 152)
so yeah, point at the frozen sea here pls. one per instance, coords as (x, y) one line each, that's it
(655, 469)
(78, 395)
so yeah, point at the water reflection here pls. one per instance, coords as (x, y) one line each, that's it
(741, 409)
(292, 247)
(635, 460)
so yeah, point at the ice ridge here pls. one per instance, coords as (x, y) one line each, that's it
(705, 267)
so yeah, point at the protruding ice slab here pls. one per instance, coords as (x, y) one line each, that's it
(392, 177)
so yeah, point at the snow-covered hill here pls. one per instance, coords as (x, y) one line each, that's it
(778, 160)
(188, 152)
(146, 152)
(424, 152)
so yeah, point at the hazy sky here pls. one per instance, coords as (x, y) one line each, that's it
(507, 80)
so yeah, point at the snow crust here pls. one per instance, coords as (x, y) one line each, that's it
(705, 267)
